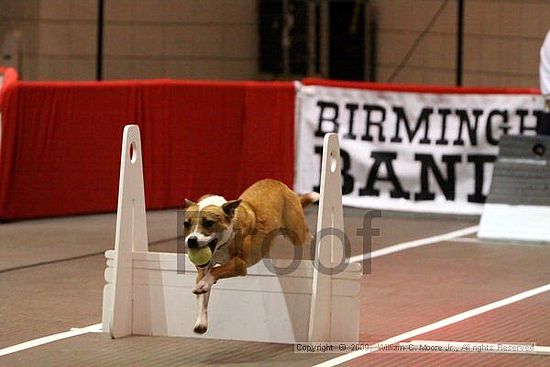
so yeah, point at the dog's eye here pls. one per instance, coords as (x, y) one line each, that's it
(187, 224)
(208, 223)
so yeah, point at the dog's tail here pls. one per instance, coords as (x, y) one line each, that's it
(309, 198)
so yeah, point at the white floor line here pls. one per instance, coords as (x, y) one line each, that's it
(478, 347)
(477, 240)
(437, 325)
(416, 243)
(483, 241)
(48, 339)
(90, 330)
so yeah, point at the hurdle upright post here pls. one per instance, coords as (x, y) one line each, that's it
(131, 232)
(322, 325)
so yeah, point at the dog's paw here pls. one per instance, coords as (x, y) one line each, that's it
(200, 328)
(201, 287)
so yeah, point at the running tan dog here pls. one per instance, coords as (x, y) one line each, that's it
(239, 232)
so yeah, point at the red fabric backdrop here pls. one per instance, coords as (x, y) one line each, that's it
(60, 145)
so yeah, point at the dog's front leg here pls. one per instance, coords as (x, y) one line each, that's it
(202, 318)
(232, 268)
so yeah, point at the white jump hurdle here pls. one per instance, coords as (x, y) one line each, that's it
(145, 295)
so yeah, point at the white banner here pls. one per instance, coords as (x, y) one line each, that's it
(412, 151)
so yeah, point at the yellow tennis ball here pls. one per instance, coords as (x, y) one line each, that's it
(200, 256)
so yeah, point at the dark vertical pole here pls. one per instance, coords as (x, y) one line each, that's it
(459, 41)
(99, 60)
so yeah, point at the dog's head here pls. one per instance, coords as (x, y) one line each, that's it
(209, 222)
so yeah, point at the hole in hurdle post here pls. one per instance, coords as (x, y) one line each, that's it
(333, 162)
(133, 153)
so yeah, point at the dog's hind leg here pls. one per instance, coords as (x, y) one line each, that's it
(295, 224)
(202, 318)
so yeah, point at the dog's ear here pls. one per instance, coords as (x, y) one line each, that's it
(188, 203)
(230, 206)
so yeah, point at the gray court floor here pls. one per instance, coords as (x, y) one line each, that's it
(51, 278)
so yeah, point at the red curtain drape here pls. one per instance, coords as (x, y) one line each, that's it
(60, 145)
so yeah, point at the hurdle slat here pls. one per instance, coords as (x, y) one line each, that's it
(169, 311)
(301, 285)
(341, 286)
(349, 273)
(168, 261)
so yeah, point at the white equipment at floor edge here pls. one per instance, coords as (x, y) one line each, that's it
(518, 204)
